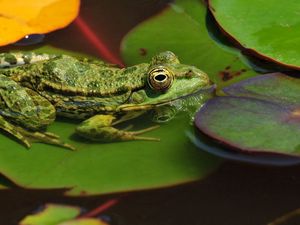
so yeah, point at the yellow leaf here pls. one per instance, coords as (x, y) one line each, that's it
(19, 18)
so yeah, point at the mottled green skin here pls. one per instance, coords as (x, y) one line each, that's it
(23, 105)
(35, 87)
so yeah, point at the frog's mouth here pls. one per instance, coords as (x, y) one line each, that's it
(180, 89)
(202, 91)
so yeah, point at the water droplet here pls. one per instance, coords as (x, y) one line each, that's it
(31, 39)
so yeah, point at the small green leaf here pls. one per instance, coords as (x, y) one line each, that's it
(52, 214)
(3, 187)
(268, 29)
(84, 221)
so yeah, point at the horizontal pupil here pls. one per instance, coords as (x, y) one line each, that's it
(160, 77)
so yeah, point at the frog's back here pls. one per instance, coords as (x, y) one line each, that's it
(67, 74)
(70, 75)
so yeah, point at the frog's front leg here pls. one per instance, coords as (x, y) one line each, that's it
(100, 128)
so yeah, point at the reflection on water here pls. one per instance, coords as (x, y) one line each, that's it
(237, 194)
(32, 39)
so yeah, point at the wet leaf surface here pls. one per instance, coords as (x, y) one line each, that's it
(192, 42)
(268, 29)
(260, 115)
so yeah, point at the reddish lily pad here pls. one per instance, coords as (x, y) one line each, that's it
(275, 87)
(268, 29)
(261, 115)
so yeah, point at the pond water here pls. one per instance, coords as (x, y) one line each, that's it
(236, 193)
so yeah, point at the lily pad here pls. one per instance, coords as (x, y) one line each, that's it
(3, 187)
(192, 42)
(97, 168)
(261, 115)
(268, 29)
(54, 214)
(207, 144)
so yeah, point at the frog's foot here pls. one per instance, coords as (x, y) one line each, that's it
(45, 137)
(27, 137)
(99, 128)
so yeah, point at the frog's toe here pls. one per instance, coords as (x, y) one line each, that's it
(112, 134)
(11, 129)
(46, 137)
(135, 134)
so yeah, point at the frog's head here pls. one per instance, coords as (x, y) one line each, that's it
(168, 79)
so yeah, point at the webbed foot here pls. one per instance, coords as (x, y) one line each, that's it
(100, 128)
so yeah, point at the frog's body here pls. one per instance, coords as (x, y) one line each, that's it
(36, 87)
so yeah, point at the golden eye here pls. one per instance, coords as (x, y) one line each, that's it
(160, 79)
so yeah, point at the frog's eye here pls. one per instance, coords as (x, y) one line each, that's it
(160, 79)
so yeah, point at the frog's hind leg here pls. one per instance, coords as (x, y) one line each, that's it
(100, 128)
(23, 113)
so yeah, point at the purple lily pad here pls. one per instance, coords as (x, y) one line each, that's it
(273, 87)
(259, 115)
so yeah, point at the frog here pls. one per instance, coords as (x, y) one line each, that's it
(35, 88)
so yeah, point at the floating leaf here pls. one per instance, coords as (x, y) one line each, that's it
(3, 187)
(207, 144)
(98, 168)
(268, 29)
(54, 214)
(287, 218)
(262, 114)
(191, 42)
(19, 18)
(84, 221)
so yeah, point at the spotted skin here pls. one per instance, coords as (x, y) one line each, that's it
(34, 88)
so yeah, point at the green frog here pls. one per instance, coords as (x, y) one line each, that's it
(35, 88)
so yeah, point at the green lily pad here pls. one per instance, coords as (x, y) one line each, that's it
(261, 115)
(54, 214)
(181, 28)
(98, 168)
(3, 187)
(268, 29)
(84, 221)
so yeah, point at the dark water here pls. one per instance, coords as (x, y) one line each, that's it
(236, 194)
